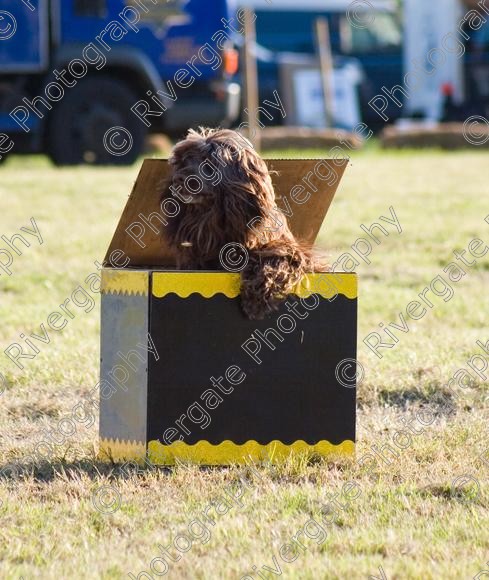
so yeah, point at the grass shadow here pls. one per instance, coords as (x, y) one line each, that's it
(47, 471)
(441, 401)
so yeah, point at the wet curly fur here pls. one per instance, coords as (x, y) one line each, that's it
(221, 212)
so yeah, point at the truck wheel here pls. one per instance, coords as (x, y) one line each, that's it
(93, 123)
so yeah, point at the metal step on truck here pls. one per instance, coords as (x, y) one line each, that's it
(86, 80)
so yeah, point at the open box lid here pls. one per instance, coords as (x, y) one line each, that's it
(304, 190)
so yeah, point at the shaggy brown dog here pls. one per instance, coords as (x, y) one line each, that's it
(225, 186)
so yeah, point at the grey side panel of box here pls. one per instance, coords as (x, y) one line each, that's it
(123, 373)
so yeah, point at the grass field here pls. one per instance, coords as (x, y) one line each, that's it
(415, 517)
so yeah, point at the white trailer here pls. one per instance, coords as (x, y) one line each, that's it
(446, 55)
(433, 55)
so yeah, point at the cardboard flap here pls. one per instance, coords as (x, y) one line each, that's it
(304, 190)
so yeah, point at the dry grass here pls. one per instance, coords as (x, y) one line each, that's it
(408, 517)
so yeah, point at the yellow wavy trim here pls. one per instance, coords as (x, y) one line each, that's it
(120, 449)
(185, 283)
(328, 285)
(208, 284)
(125, 282)
(228, 452)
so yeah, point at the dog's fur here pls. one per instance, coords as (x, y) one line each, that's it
(220, 214)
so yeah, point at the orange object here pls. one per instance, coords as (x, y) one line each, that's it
(231, 61)
(447, 89)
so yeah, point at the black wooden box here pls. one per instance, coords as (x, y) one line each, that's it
(185, 375)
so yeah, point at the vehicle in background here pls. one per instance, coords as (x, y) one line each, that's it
(441, 48)
(86, 80)
(369, 32)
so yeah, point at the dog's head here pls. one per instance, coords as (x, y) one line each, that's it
(225, 194)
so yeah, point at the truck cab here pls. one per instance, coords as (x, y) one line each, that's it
(86, 80)
(369, 32)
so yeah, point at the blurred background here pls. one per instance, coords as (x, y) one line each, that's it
(95, 81)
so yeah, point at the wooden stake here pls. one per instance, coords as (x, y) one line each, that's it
(323, 48)
(251, 78)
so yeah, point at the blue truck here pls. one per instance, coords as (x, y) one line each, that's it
(86, 80)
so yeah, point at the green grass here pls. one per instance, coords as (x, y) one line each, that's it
(409, 517)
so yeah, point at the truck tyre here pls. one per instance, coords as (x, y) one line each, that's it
(93, 123)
